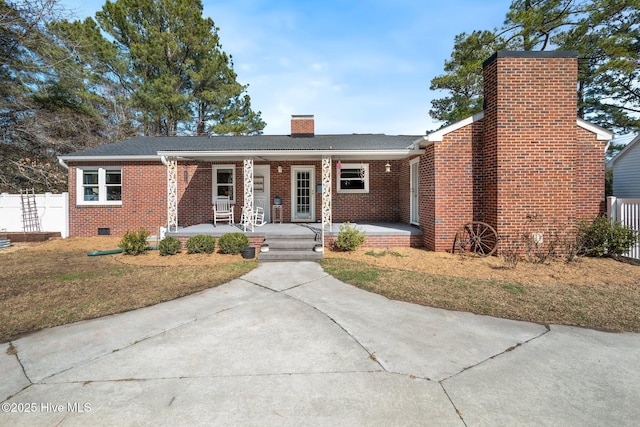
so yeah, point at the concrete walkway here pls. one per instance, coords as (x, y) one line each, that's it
(288, 344)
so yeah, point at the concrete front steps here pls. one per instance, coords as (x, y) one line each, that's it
(290, 247)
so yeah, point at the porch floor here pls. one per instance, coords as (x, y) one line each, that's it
(370, 229)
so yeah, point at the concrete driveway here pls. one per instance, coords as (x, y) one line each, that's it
(288, 344)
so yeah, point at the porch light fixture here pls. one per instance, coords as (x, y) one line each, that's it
(387, 167)
(279, 169)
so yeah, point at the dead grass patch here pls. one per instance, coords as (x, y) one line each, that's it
(595, 293)
(53, 283)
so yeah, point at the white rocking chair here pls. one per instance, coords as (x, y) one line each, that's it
(255, 218)
(259, 215)
(222, 211)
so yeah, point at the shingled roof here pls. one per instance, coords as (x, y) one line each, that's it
(151, 146)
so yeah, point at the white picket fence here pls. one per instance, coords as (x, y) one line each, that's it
(53, 212)
(627, 211)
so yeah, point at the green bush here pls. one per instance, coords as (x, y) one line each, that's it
(201, 244)
(169, 246)
(134, 242)
(349, 237)
(604, 237)
(233, 243)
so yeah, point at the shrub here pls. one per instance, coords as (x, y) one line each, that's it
(134, 242)
(233, 243)
(169, 246)
(201, 244)
(349, 237)
(604, 237)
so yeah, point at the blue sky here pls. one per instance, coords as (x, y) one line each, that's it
(360, 66)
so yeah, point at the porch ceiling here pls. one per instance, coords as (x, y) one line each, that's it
(269, 155)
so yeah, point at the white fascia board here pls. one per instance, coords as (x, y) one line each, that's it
(108, 158)
(601, 133)
(287, 154)
(438, 135)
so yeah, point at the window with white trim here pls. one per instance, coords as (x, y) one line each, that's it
(224, 181)
(354, 178)
(99, 185)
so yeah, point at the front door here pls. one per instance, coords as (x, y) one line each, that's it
(303, 193)
(414, 197)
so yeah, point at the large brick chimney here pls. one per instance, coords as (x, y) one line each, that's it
(302, 126)
(530, 146)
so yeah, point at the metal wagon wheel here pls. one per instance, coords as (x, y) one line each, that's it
(476, 237)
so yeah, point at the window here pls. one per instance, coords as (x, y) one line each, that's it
(100, 186)
(354, 178)
(224, 179)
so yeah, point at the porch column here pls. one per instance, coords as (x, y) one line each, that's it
(326, 194)
(172, 194)
(247, 218)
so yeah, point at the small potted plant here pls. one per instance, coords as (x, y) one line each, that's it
(249, 252)
(318, 248)
(264, 247)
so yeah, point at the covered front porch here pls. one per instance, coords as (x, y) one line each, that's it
(312, 180)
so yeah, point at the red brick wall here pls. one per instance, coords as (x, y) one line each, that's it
(144, 201)
(526, 167)
(281, 186)
(530, 144)
(195, 193)
(414, 241)
(144, 193)
(380, 204)
(427, 197)
(589, 176)
(453, 169)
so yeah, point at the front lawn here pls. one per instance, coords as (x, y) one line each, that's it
(55, 283)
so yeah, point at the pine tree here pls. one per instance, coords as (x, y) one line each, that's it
(606, 34)
(179, 76)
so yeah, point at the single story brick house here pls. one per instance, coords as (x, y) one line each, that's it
(524, 164)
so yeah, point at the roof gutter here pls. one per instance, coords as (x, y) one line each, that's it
(301, 153)
(62, 163)
(106, 158)
(162, 156)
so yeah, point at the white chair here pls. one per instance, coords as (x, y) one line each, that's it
(258, 216)
(259, 212)
(222, 211)
(255, 218)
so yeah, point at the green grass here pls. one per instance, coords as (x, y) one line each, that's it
(375, 254)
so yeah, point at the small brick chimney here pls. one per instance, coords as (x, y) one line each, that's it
(302, 126)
